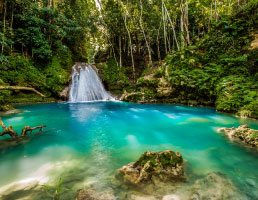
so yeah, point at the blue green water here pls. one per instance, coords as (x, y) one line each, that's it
(85, 143)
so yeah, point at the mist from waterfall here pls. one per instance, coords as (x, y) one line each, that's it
(86, 85)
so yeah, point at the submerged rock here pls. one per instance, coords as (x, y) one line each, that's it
(164, 165)
(140, 197)
(171, 197)
(91, 194)
(214, 186)
(244, 133)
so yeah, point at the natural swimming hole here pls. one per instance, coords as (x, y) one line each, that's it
(85, 143)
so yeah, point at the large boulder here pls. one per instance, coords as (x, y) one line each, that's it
(244, 133)
(164, 165)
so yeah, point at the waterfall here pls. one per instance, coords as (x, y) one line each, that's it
(86, 85)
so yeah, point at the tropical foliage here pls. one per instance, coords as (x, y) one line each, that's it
(200, 47)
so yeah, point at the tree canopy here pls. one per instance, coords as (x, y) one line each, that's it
(201, 43)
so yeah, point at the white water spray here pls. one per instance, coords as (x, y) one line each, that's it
(86, 85)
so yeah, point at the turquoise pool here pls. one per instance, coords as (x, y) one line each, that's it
(85, 143)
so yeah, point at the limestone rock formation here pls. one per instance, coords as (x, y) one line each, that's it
(254, 43)
(64, 94)
(164, 165)
(244, 133)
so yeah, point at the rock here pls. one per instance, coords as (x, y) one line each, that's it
(214, 186)
(91, 194)
(254, 43)
(164, 88)
(171, 197)
(164, 165)
(244, 133)
(137, 197)
(64, 94)
(132, 97)
(164, 91)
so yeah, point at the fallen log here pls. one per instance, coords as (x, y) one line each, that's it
(26, 129)
(21, 88)
(8, 131)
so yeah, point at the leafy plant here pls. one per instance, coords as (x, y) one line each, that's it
(55, 191)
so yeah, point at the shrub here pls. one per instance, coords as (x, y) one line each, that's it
(17, 70)
(56, 77)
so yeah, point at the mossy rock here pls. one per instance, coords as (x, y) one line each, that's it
(163, 166)
(244, 133)
(163, 158)
(134, 97)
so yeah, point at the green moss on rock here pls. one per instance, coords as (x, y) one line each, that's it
(164, 165)
(244, 133)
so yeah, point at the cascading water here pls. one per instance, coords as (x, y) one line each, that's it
(86, 85)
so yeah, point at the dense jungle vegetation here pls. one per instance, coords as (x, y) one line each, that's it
(195, 52)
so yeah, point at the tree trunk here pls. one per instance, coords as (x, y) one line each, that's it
(157, 39)
(129, 36)
(164, 27)
(173, 28)
(21, 88)
(143, 32)
(8, 131)
(128, 48)
(125, 45)
(112, 46)
(11, 26)
(186, 23)
(169, 41)
(27, 129)
(13, 134)
(130, 44)
(120, 52)
(216, 10)
(210, 20)
(182, 24)
(4, 22)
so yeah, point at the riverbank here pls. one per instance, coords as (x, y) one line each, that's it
(12, 101)
(9, 109)
(156, 86)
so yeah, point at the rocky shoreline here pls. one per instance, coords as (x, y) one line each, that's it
(243, 133)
